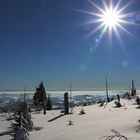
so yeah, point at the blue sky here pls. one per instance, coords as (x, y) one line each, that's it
(49, 40)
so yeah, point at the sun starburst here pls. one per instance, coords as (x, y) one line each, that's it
(110, 18)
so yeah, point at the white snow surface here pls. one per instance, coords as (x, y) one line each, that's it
(94, 125)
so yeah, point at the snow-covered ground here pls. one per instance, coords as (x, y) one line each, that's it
(94, 125)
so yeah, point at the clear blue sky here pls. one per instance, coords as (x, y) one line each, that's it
(48, 40)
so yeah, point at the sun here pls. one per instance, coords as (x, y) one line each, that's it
(111, 18)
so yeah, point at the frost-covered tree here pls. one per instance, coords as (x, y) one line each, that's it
(20, 126)
(40, 97)
(26, 115)
(22, 121)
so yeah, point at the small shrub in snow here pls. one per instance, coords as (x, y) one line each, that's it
(118, 104)
(70, 122)
(137, 100)
(82, 112)
(115, 136)
(101, 103)
(138, 130)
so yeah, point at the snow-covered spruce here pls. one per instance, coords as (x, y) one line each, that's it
(22, 123)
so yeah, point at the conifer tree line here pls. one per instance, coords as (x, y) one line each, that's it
(23, 123)
(41, 100)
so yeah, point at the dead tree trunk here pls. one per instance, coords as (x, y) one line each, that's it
(66, 103)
